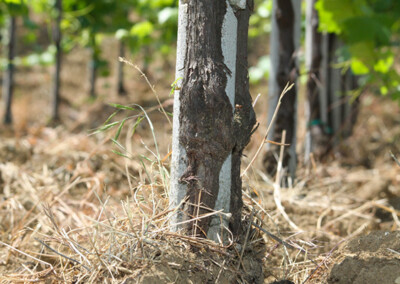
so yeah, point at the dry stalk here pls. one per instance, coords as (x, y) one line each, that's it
(150, 85)
(245, 240)
(277, 192)
(285, 90)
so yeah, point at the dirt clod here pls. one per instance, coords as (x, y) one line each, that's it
(373, 258)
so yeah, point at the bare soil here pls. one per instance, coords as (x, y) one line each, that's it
(373, 258)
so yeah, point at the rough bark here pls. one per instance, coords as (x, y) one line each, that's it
(209, 124)
(286, 72)
(206, 113)
(57, 72)
(244, 116)
(8, 80)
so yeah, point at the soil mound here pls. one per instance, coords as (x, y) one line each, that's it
(374, 258)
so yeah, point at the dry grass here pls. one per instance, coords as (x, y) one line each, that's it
(60, 221)
(71, 211)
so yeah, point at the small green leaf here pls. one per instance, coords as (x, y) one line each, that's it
(110, 117)
(142, 29)
(384, 90)
(119, 129)
(120, 154)
(138, 120)
(146, 158)
(174, 86)
(383, 65)
(122, 107)
(106, 127)
(118, 144)
(358, 67)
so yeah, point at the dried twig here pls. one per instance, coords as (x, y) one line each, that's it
(285, 90)
(63, 255)
(277, 192)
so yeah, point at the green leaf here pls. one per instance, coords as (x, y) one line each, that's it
(384, 90)
(106, 127)
(119, 129)
(118, 144)
(146, 158)
(174, 85)
(358, 67)
(142, 29)
(122, 107)
(384, 64)
(138, 121)
(120, 154)
(110, 117)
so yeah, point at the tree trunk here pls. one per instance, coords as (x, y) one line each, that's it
(213, 117)
(332, 113)
(57, 43)
(350, 105)
(285, 41)
(353, 104)
(8, 80)
(317, 139)
(120, 80)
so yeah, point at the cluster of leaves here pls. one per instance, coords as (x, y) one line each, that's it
(370, 30)
(12, 8)
(153, 28)
(149, 24)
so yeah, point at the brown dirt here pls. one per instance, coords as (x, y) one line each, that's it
(373, 258)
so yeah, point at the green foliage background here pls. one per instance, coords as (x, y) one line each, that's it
(370, 30)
